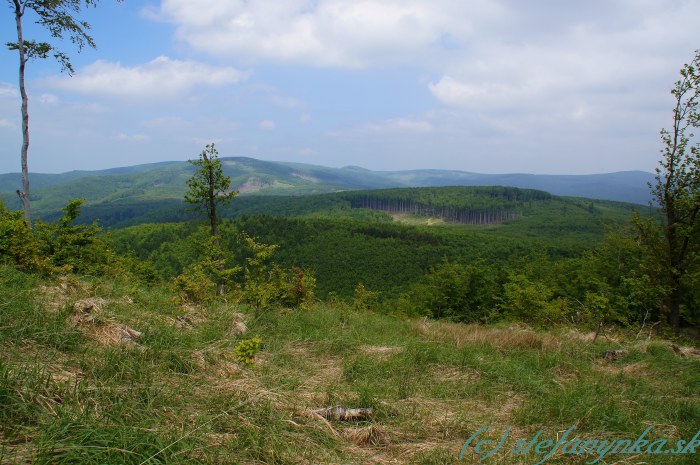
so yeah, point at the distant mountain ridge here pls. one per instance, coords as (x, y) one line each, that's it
(167, 180)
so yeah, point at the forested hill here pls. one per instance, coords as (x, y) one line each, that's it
(456, 204)
(167, 181)
(386, 239)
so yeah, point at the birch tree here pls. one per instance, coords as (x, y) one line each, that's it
(59, 18)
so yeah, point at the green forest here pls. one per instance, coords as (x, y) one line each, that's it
(468, 254)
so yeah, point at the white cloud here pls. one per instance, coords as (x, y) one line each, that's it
(47, 99)
(6, 123)
(161, 77)
(285, 102)
(132, 137)
(202, 141)
(8, 90)
(304, 118)
(346, 33)
(387, 127)
(400, 125)
(267, 124)
(167, 122)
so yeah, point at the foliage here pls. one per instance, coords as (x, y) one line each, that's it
(245, 351)
(18, 245)
(469, 205)
(388, 256)
(531, 301)
(295, 288)
(194, 285)
(120, 200)
(257, 290)
(58, 246)
(73, 247)
(209, 188)
(614, 283)
(58, 18)
(267, 284)
(454, 291)
(364, 299)
(215, 259)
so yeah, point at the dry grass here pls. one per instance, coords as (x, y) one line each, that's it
(446, 374)
(85, 310)
(67, 290)
(636, 369)
(192, 316)
(380, 352)
(112, 334)
(689, 352)
(88, 314)
(517, 336)
(368, 436)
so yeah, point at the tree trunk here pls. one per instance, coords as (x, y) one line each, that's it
(213, 220)
(24, 193)
(674, 307)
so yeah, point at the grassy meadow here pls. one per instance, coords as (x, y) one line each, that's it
(95, 370)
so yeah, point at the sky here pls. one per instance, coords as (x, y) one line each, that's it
(489, 86)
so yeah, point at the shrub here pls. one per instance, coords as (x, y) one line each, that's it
(364, 299)
(267, 284)
(531, 301)
(18, 245)
(73, 247)
(194, 285)
(245, 351)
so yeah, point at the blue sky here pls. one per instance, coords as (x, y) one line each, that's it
(490, 86)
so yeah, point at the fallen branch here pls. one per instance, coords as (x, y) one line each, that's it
(651, 330)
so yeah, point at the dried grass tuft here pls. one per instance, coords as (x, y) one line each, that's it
(381, 352)
(238, 327)
(112, 334)
(84, 310)
(54, 298)
(368, 436)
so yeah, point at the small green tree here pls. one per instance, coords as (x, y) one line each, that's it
(258, 290)
(268, 285)
(208, 189)
(73, 247)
